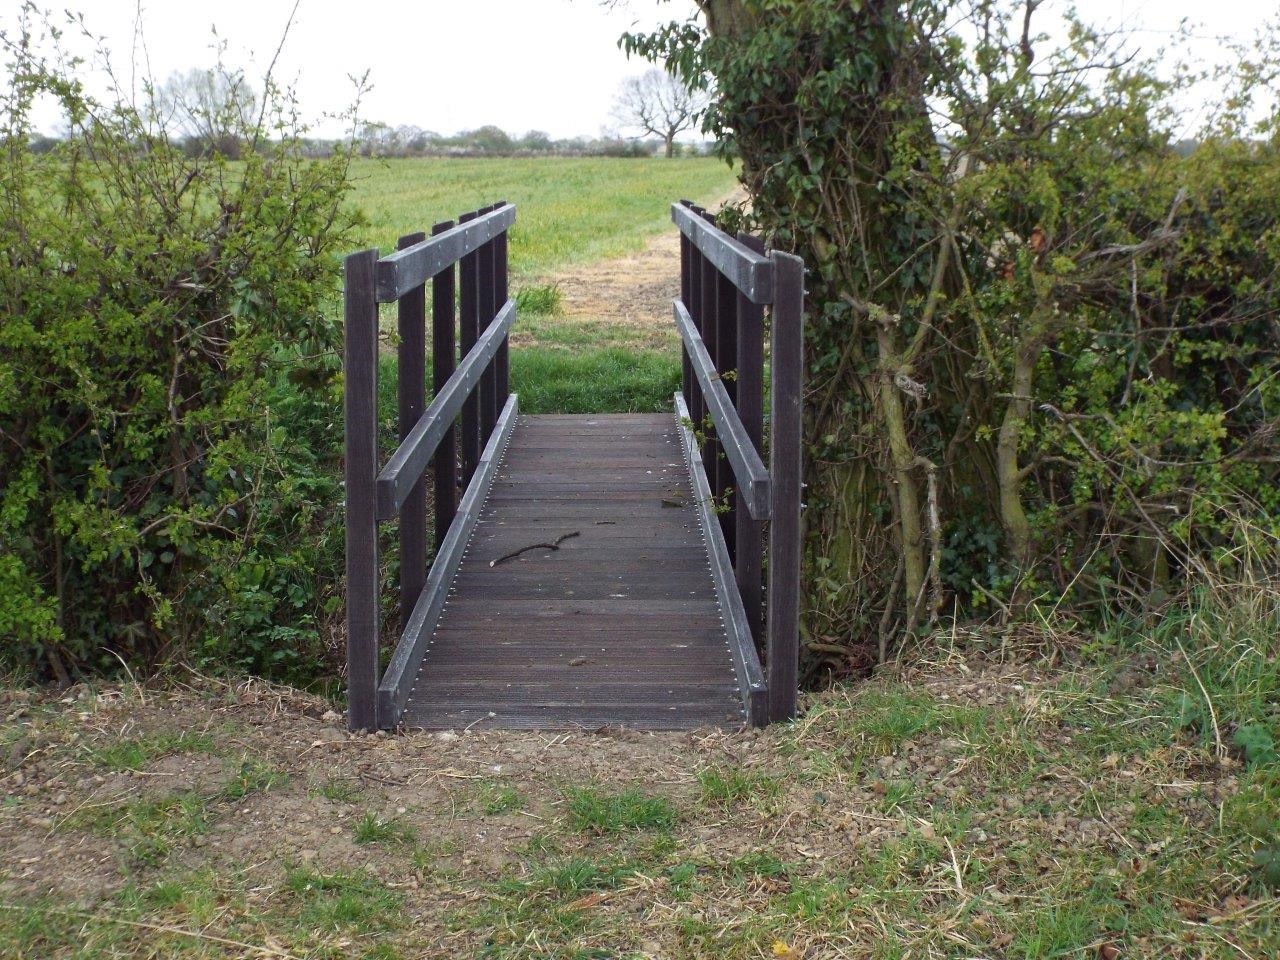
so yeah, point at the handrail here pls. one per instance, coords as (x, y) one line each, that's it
(725, 282)
(748, 467)
(467, 267)
(410, 460)
(402, 271)
(394, 690)
(742, 646)
(747, 270)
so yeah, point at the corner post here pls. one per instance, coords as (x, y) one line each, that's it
(502, 292)
(750, 397)
(787, 355)
(360, 401)
(686, 295)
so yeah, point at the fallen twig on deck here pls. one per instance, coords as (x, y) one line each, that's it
(535, 546)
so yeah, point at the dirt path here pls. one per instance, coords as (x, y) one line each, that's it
(631, 295)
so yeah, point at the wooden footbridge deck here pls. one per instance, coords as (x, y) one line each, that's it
(587, 571)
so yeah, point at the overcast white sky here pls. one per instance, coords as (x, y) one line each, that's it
(447, 65)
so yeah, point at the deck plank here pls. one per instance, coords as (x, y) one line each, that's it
(618, 627)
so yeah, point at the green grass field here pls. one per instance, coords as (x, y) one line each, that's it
(570, 210)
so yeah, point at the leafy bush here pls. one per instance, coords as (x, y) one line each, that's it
(1041, 364)
(168, 395)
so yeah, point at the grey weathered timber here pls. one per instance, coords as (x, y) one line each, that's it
(742, 644)
(618, 626)
(360, 416)
(444, 350)
(750, 403)
(782, 648)
(747, 270)
(752, 478)
(405, 660)
(400, 272)
(411, 396)
(411, 457)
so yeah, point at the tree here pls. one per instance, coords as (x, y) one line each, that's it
(210, 108)
(657, 104)
(1008, 275)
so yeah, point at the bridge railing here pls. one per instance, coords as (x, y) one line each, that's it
(465, 428)
(726, 282)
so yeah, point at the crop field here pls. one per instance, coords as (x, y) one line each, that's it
(574, 215)
(571, 209)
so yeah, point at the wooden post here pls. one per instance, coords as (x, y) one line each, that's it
(709, 327)
(686, 267)
(787, 358)
(468, 333)
(360, 369)
(750, 401)
(411, 394)
(502, 291)
(443, 361)
(488, 381)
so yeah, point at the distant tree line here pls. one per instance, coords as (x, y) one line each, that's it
(406, 140)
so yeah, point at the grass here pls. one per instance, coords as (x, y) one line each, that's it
(498, 798)
(593, 380)
(371, 828)
(539, 300)
(136, 753)
(727, 786)
(587, 380)
(595, 811)
(569, 210)
(150, 828)
(343, 899)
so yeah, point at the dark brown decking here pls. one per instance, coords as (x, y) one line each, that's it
(620, 626)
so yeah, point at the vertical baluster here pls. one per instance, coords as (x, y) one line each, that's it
(502, 292)
(488, 387)
(727, 362)
(468, 332)
(360, 368)
(750, 403)
(411, 395)
(787, 381)
(443, 363)
(697, 263)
